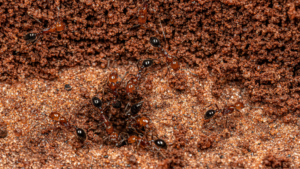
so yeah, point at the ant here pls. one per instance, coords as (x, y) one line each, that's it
(80, 133)
(112, 135)
(142, 17)
(135, 122)
(227, 110)
(62, 120)
(135, 109)
(130, 87)
(170, 59)
(147, 144)
(113, 84)
(58, 27)
(142, 14)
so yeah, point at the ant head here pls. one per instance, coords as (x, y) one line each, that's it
(113, 77)
(117, 104)
(154, 42)
(136, 108)
(55, 116)
(30, 37)
(147, 62)
(81, 134)
(96, 102)
(209, 114)
(161, 143)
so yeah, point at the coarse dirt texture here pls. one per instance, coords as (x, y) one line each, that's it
(237, 51)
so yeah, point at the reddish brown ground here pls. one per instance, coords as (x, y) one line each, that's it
(240, 51)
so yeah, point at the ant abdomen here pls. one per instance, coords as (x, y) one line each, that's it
(96, 102)
(147, 62)
(161, 143)
(81, 134)
(143, 121)
(154, 42)
(132, 139)
(109, 129)
(136, 108)
(130, 87)
(60, 26)
(209, 114)
(113, 77)
(175, 65)
(30, 37)
(239, 105)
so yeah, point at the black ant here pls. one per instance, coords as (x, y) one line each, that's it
(112, 135)
(135, 109)
(141, 142)
(227, 110)
(63, 121)
(58, 27)
(135, 122)
(170, 59)
(133, 82)
(81, 134)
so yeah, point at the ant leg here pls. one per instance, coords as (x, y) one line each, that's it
(128, 101)
(124, 139)
(144, 133)
(135, 26)
(168, 67)
(127, 111)
(132, 19)
(108, 64)
(239, 112)
(217, 107)
(134, 130)
(162, 29)
(154, 148)
(58, 11)
(109, 116)
(105, 138)
(35, 18)
(125, 134)
(36, 39)
(254, 107)
(207, 106)
(138, 64)
(143, 26)
(137, 147)
(123, 77)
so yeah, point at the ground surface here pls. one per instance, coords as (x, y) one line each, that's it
(229, 51)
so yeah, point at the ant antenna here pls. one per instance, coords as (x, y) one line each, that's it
(162, 29)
